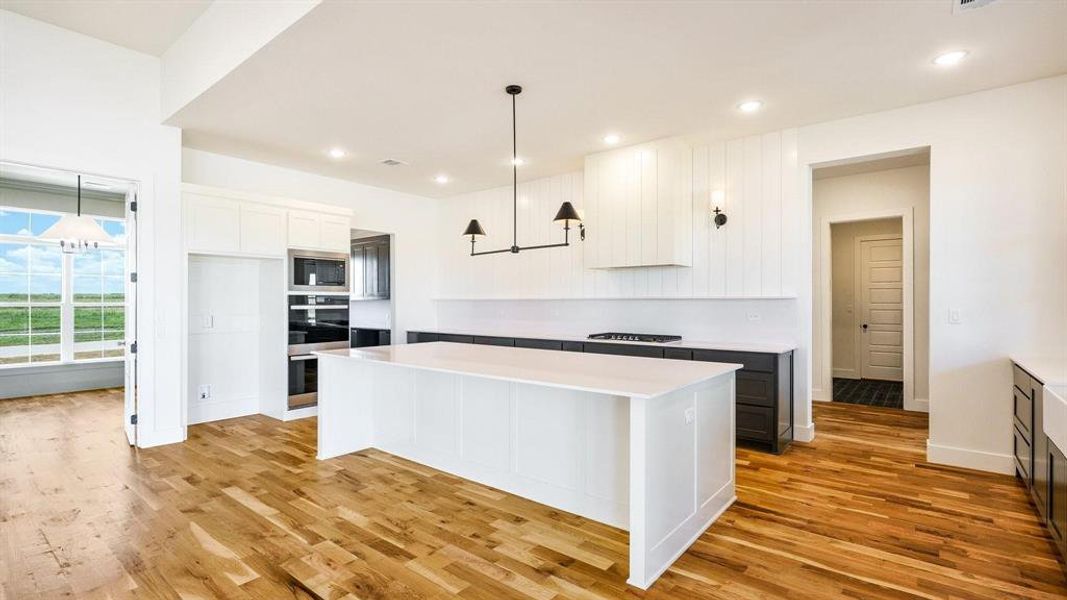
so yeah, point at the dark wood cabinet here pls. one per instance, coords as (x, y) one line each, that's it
(624, 350)
(370, 268)
(362, 337)
(1039, 463)
(763, 386)
(1057, 497)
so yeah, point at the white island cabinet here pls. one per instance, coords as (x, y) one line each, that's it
(643, 444)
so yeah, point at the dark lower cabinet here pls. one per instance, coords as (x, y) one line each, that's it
(624, 350)
(1039, 463)
(362, 338)
(1057, 498)
(763, 386)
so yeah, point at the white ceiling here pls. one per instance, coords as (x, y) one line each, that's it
(148, 26)
(423, 82)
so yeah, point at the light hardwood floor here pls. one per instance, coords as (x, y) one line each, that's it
(243, 510)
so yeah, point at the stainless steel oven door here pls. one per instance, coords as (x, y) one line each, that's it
(304, 373)
(318, 272)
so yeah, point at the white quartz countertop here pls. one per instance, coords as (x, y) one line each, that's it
(733, 346)
(1049, 370)
(630, 376)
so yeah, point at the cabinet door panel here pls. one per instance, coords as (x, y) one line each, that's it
(212, 224)
(755, 423)
(263, 230)
(1040, 441)
(1057, 518)
(304, 229)
(1023, 456)
(1024, 412)
(334, 233)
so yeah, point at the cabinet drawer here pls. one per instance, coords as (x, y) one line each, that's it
(1022, 380)
(540, 344)
(755, 388)
(751, 360)
(678, 353)
(573, 346)
(458, 339)
(416, 337)
(1024, 413)
(624, 350)
(1023, 455)
(755, 423)
(493, 341)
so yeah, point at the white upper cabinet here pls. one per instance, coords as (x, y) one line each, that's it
(212, 224)
(262, 229)
(318, 231)
(639, 207)
(218, 221)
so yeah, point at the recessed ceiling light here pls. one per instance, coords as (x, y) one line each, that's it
(750, 106)
(612, 138)
(949, 59)
(441, 179)
(336, 153)
(518, 161)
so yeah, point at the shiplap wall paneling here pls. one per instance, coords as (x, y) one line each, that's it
(753, 180)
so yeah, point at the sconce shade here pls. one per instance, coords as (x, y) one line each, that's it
(567, 213)
(474, 228)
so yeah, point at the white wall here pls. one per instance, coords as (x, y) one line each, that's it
(907, 189)
(844, 324)
(998, 246)
(76, 103)
(411, 220)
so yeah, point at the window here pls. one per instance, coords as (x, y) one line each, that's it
(47, 297)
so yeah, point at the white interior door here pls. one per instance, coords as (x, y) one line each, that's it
(881, 280)
(129, 412)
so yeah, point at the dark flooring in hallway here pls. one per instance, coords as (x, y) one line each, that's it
(869, 392)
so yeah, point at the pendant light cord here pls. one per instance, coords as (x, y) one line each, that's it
(514, 177)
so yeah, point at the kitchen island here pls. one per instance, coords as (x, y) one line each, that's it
(646, 445)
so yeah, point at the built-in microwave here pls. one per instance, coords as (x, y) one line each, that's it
(318, 272)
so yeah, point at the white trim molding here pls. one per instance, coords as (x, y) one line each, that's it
(804, 433)
(969, 459)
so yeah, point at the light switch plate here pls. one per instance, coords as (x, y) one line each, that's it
(954, 316)
(690, 415)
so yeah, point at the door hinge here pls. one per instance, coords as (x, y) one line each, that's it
(133, 419)
(133, 277)
(133, 206)
(133, 348)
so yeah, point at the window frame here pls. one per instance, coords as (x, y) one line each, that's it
(67, 303)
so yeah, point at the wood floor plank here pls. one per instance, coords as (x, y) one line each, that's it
(244, 510)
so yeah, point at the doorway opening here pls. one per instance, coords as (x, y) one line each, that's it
(871, 273)
(67, 311)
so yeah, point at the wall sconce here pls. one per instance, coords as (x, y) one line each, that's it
(720, 217)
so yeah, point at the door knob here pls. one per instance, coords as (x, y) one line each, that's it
(864, 326)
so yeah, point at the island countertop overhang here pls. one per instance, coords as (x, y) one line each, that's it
(629, 376)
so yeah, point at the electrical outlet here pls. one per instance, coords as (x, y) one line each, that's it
(954, 316)
(205, 392)
(690, 415)
(754, 316)
(209, 321)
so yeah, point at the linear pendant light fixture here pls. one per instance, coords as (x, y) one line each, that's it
(566, 212)
(77, 233)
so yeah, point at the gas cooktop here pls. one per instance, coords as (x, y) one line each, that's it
(635, 337)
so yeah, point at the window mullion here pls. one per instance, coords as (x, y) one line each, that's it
(66, 318)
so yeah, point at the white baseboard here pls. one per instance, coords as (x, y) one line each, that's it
(970, 459)
(846, 374)
(818, 395)
(918, 405)
(226, 408)
(149, 439)
(804, 433)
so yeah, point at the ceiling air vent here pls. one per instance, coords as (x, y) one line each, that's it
(959, 6)
(391, 162)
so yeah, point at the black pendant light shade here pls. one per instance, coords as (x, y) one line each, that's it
(566, 213)
(474, 228)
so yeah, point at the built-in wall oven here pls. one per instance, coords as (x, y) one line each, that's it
(316, 272)
(316, 322)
